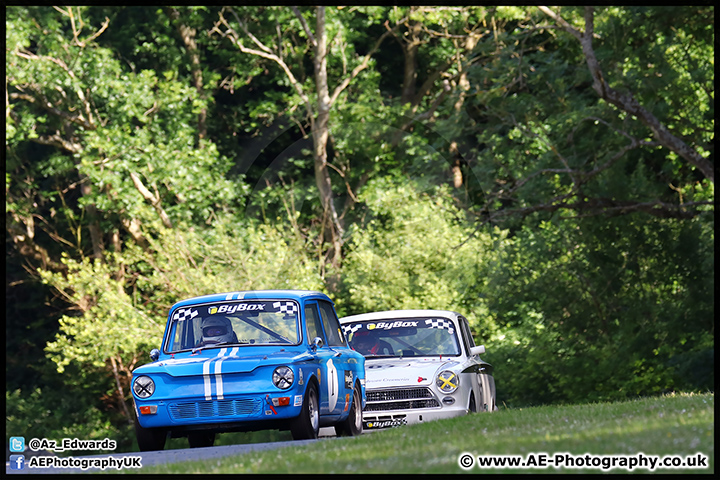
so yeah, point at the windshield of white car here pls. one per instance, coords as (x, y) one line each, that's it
(406, 337)
(240, 323)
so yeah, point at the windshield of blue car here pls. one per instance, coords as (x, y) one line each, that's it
(239, 323)
(406, 337)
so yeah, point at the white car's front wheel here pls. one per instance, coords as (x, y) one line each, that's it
(472, 405)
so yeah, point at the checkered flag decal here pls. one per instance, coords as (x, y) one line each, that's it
(288, 308)
(348, 330)
(441, 324)
(185, 314)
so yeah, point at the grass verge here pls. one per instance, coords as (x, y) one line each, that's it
(678, 424)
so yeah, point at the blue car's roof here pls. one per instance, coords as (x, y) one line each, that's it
(254, 294)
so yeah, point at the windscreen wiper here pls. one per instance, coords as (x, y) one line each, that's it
(214, 345)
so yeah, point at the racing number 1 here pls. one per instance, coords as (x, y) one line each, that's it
(332, 384)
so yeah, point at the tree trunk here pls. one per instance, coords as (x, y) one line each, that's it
(120, 391)
(410, 49)
(187, 35)
(321, 131)
(93, 225)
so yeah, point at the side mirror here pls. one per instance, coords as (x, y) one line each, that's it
(154, 354)
(317, 342)
(479, 350)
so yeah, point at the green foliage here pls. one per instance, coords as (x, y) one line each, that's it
(534, 100)
(671, 72)
(604, 311)
(231, 255)
(110, 324)
(415, 249)
(125, 316)
(124, 123)
(48, 413)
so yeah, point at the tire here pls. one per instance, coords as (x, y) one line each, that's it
(307, 424)
(472, 406)
(149, 439)
(492, 400)
(352, 426)
(488, 404)
(201, 439)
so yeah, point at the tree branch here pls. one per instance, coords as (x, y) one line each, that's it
(626, 102)
(187, 35)
(59, 142)
(305, 26)
(366, 59)
(84, 101)
(264, 53)
(590, 207)
(43, 102)
(153, 199)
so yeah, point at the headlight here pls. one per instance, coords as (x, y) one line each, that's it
(447, 381)
(283, 377)
(143, 386)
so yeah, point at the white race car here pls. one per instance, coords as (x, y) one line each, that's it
(420, 365)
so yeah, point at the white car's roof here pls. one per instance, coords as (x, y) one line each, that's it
(399, 314)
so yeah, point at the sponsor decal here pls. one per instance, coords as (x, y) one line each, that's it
(385, 379)
(390, 325)
(298, 400)
(270, 405)
(236, 307)
(348, 379)
(385, 423)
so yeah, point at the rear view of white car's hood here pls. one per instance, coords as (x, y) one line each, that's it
(403, 372)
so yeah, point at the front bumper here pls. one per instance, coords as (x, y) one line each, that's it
(235, 409)
(392, 407)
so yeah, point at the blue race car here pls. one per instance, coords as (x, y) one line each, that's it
(243, 361)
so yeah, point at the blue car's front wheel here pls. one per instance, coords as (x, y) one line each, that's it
(307, 424)
(352, 425)
(149, 439)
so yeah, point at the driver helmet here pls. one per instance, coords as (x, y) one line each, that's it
(218, 330)
(365, 343)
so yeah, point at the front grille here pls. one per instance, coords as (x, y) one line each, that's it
(400, 399)
(398, 394)
(215, 408)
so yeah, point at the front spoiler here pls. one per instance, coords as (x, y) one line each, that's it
(197, 413)
(378, 420)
